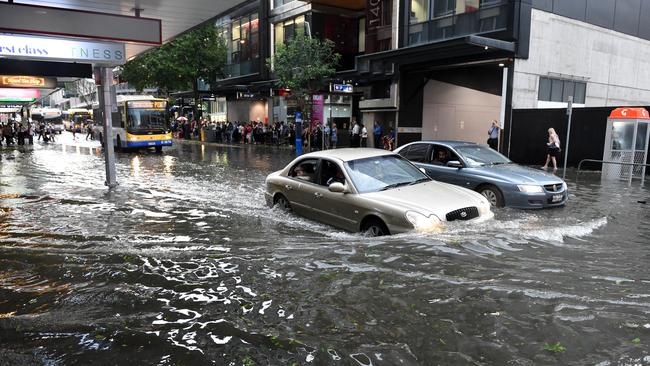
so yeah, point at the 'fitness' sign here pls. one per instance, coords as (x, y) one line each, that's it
(53, 49)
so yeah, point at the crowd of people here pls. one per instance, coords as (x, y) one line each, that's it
(320, 136)
(18, 133)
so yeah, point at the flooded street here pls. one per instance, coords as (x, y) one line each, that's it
(183, 264)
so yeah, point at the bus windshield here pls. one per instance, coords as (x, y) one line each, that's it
(146, 115)
(146, 119)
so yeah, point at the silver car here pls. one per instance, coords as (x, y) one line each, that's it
(372, 191)
(484, 170)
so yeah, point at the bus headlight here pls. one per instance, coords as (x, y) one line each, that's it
(422, 222)
(530, 188)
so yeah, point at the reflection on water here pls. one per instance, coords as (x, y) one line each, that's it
(183, 264)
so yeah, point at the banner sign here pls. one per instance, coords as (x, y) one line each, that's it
(317, 109)
(19, 95)
(53, 49)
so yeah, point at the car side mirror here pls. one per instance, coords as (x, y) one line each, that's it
(337, 187)
(454, 164)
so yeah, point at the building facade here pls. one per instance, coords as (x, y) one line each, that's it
(443, 69)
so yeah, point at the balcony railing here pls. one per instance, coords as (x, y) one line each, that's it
(490, 17)
(242, 68)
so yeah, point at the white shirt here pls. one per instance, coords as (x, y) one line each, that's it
(355, 129)
(364, 133)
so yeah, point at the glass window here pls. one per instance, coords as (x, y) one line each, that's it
(331, 173)
(569, 90)
(306, 170)
(443, 7)
(418, 153)
(557, 87)
(544, 89)
(383, 172)
(419, 11)
(579, 96)
(362, 35)
(277, 3)
(641, 134)
(477, 155)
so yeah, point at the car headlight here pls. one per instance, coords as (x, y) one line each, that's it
(530, 188)
(484, 207)
(422, 222)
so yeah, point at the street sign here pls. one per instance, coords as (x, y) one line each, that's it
(341, 88)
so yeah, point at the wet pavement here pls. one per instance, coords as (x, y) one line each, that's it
(184, 265)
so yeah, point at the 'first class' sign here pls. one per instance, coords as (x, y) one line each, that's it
(54, 49)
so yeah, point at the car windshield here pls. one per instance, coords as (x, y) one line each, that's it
(477, 155)
(383, 172)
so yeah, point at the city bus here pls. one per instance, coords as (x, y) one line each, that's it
(140, 122)
(48, 115)
(76, 117)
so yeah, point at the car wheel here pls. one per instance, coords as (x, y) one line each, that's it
(493, 195)
(282, 202)
(374, 227)
(158, 149)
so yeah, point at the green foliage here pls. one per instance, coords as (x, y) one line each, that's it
(555, 347)
(636, 340)
(303, 64)
(199, 54)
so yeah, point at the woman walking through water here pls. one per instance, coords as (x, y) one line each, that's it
(552, 148)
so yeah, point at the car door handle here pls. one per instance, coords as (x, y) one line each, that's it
(288, 187)
(318, 195)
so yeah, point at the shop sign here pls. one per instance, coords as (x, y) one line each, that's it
(19, 95)
(22, 81)
(374, 12)
(247, 95)
(47, 49)
(342, 88)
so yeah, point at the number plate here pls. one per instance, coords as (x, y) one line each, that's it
(557, 198)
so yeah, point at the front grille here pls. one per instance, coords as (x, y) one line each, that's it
(553, 187)
(466, 213)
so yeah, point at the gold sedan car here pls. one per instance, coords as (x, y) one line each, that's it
(372, 191)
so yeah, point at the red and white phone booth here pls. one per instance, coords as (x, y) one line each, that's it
(626, 143)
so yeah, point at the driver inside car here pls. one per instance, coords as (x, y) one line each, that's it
(337, 178)
(442, 158)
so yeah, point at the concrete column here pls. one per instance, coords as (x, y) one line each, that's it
(106, 105)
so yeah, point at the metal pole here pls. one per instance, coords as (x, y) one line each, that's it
(106, 107)
(502, 115)
(568, 134)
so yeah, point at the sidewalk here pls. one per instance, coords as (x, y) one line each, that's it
(235, 145)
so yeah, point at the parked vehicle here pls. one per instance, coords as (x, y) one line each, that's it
(373, 191)
(51, 116)
(486, 171)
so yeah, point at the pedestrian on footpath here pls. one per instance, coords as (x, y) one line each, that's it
(376, 132)
(552, 149)
(89, 131)
(493, 134)
(30, 133)
(334, 136)
(355, 140)
(364, 136)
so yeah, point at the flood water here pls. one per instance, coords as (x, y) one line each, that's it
(183, 264)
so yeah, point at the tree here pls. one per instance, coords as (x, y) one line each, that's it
(179, 64)
(303, 65)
